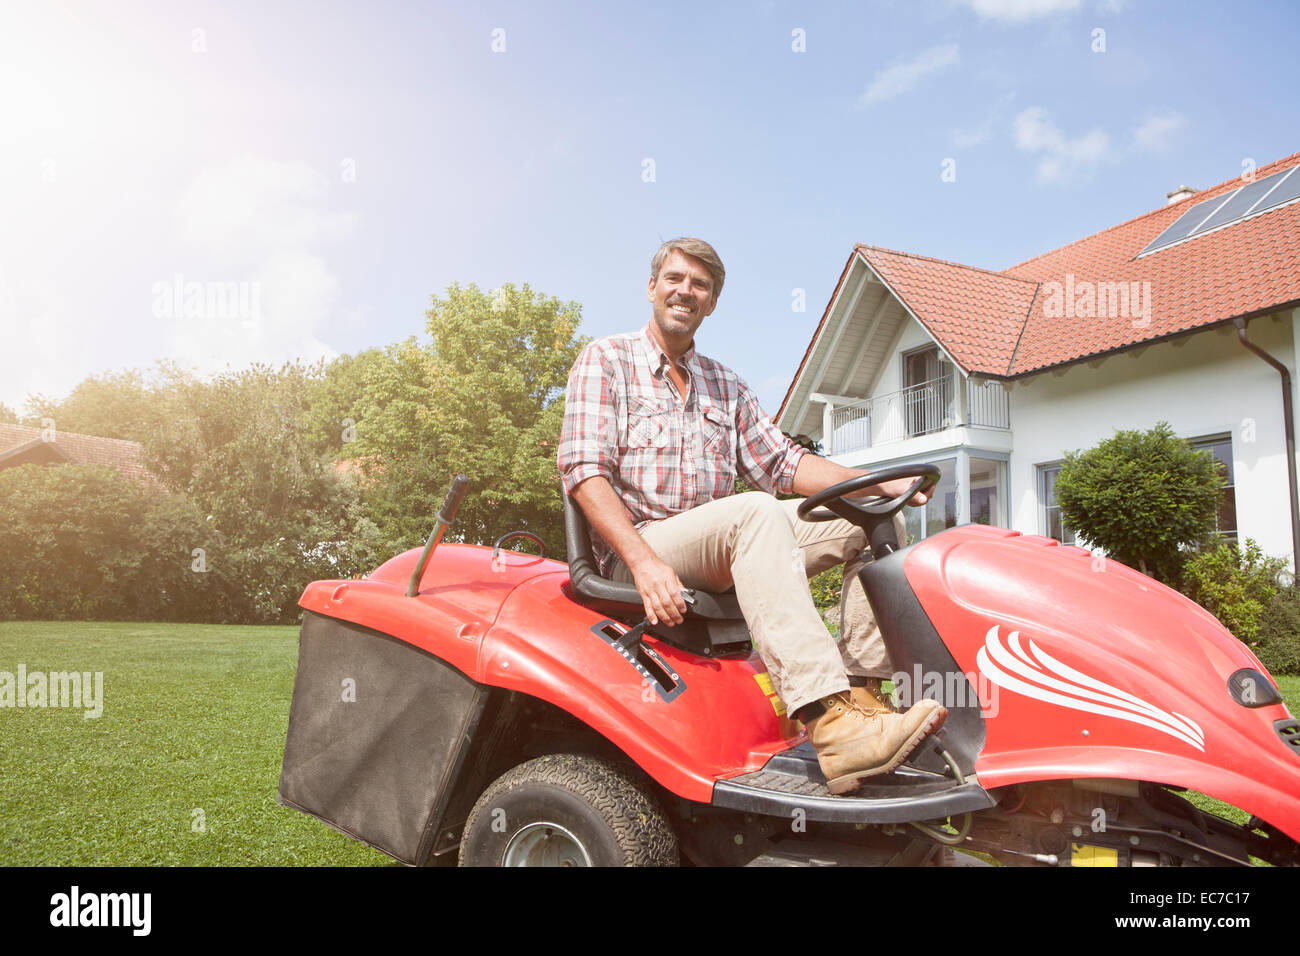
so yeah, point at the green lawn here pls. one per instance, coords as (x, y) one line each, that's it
(181, 768)
(183, 765)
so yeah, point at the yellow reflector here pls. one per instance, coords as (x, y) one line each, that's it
(1082, 855)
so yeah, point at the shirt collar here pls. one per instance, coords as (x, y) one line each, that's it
(659, 358)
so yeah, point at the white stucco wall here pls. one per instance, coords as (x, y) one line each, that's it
(1207, 386)
(910, 336)
(1210, 385)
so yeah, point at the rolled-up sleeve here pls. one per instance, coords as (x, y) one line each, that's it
(764, 456)
(589, 436)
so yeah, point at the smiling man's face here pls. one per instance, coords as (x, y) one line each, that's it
(682, 296)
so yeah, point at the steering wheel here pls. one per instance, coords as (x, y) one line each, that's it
(868, 511)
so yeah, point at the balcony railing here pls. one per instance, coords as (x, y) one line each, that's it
(914, 411)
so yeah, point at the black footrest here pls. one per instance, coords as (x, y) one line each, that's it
(793, 780)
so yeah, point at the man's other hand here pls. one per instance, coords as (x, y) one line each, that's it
(661, 591)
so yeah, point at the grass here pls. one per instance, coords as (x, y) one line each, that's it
(183, 765)
(181, 768)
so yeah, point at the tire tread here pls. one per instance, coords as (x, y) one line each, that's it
(641, 829)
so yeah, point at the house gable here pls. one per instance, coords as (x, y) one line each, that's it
(852, 343)
(32, 452)
(1095, 296)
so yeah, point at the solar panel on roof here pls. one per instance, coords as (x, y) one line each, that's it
(1286, 191)
(1224, 210)
(1183, 226)
(1237, 206)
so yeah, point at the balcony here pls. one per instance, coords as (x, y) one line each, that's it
(917, 410)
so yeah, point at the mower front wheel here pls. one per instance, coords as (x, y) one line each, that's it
(568, 810)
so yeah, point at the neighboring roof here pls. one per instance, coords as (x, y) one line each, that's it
(20, 443)
(34, 452)
(1002, 324)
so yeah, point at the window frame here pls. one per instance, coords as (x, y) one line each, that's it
(1206, 443)
(1069, 537)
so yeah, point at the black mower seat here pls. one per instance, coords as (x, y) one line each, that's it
(713, 625)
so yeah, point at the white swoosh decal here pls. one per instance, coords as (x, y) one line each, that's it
(1010, 667)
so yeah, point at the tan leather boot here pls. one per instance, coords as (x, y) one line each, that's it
(853, 744)
(869, 696)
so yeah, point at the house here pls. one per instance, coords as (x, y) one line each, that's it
(1186, 314)
(21, 445)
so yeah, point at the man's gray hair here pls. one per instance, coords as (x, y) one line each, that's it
(696, 248)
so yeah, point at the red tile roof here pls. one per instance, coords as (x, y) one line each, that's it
(977, 315)
(1244, 269)
(1006, 324)
(125, 456)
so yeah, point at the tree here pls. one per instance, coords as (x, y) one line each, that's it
(484, 397)
(333, 402)
(7, 415)
(280, 514)
(1143, 497)
(127, 404)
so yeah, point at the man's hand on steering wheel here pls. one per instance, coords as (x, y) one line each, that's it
(875, 495)
(892, 489)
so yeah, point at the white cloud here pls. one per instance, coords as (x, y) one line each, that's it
(39, 351)
(964, 138)
(902, 76)
(261, 225)
(1019, 11)
(1060, 157)
(974, 136)
(251, 207)
(1157, 131)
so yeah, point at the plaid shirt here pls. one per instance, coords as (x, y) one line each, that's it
(625, 420)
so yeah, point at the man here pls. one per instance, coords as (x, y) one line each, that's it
(654, 437)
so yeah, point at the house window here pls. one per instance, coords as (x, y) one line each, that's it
(927, 392)
(1053, 525)
(1225, 522)
(940, 512)
(986, 485)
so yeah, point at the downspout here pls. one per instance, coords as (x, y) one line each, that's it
(1288, 424)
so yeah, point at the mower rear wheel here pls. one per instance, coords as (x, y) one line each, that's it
(568, 810)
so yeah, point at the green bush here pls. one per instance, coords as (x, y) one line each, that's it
(825, 588)
(1234, 584)
(1143, 497)
(1278, 643)
(81, 542)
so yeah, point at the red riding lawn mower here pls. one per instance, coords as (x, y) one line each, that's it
(502, 709)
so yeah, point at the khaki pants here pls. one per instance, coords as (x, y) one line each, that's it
(761, 547)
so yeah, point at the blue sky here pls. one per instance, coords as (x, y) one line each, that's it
(346, 161)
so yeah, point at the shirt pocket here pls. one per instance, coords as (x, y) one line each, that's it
(647, 424)
(716, 432)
